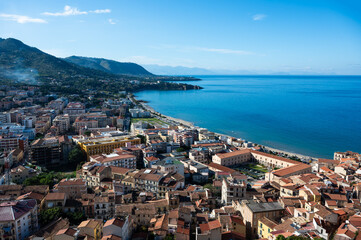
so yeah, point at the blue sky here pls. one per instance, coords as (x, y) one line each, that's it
(262, 36)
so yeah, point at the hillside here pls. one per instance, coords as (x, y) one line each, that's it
(28, 65)
(109, 66)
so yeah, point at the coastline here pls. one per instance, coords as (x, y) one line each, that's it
(188, 124)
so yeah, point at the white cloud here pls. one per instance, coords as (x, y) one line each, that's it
(224, 51)
(20, 18)
(101, 11)
(72, 11)
(111, 21)
(259, 17)
(68, 11)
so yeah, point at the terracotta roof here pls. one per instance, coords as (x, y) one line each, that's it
(55, 196)
(70, 182)
(114, 221)
(291, 169)
(66, 231)
(232, 154)
(268, 222)
(220, 167)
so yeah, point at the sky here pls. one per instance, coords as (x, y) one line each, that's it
(263, 36)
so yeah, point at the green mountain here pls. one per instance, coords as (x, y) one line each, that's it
(109, 66)
(23, 64)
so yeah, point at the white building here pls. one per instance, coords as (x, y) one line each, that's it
(18, 219)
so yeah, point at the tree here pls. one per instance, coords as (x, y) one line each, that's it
(76, 155)
(280, 237)
(49, 215)
(142, 138)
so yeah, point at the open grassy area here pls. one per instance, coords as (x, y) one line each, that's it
(152, 121)
(257, 167)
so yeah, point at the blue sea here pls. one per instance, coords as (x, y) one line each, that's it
(311, 115)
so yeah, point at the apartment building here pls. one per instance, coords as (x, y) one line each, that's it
(18, 219)
(253, 211)
(234, 188)
(122, 159)
(93, 146)
(73, 188)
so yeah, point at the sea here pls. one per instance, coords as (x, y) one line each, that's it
(309, 115)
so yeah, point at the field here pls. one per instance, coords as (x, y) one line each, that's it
(152, 121)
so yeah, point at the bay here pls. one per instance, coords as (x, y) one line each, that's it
(310, 115)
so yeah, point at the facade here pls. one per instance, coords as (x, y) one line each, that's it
(18, 219)
(92, 228)
(169, 164)
(93, 146)
(73, 188)
(253, 211)
(119, 227)
(232, 158)
(118, 159)
(50, 151)
(209, 231)
(234, 189)
(265, 227)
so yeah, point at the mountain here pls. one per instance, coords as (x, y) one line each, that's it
(109, 66)
(178, 70)
(20, 63)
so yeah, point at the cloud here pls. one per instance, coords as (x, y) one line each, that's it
(68, 11)
(259, 17)
(20, 18)
(111, 21)
(72, 11)
(224, 51)
(101, 11)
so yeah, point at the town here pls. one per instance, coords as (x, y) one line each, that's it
(87, 166)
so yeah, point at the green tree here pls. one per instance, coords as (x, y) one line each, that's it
(280, 237)
(142, 138)
(76, 155)
(49, 215)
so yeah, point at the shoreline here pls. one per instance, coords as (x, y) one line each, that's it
(188, 124)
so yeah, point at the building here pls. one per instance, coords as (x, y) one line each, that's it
(55, 199)
(234, 188)
(73, 188)
(50, 151)
(119, 227)
(253, 211)
(18, 219)
(285, 172)
(122, 159)
(20, 173)
(74, 108)
(265, 227)
(209, 231)
(91, 228)
(233, 158)
(93, 146)
(169, 165)
(62, 123)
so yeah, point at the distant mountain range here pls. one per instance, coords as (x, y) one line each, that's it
(109, 66)
(190, 71)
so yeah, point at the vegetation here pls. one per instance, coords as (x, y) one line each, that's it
(109, 66)
(26, 65)
(142, 138)
(257, 167)
(77, 156)
(49, 179)
(48, 215)
(151, 121)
